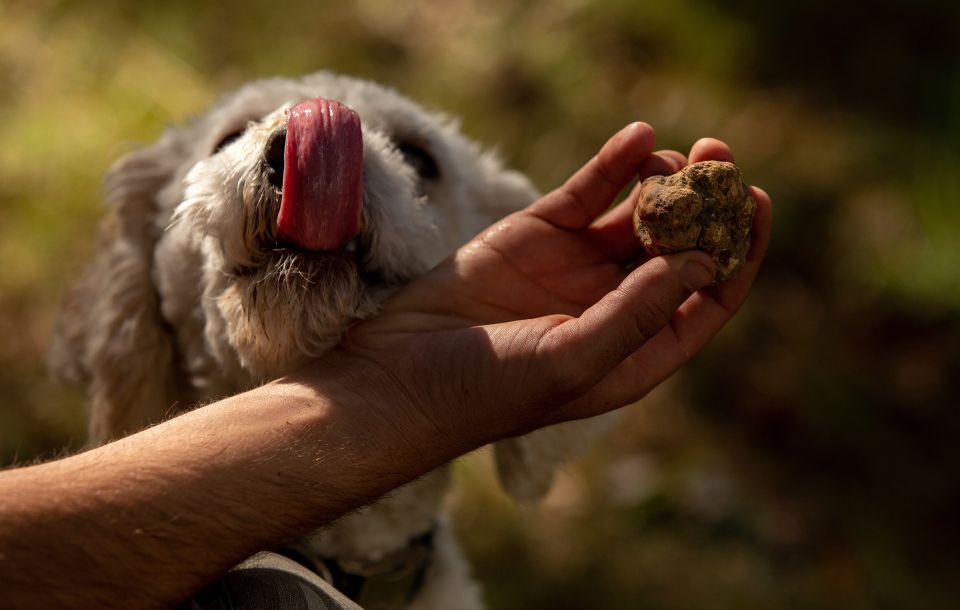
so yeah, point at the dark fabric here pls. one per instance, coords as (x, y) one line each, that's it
(262, 589)
(349, 584)
(392, 581)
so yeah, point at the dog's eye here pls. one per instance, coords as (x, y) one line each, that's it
(227, 140)
(420, 160)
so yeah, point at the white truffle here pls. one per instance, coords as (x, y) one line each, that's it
(705, 205)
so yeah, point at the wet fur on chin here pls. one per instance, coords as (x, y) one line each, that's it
(288, 310)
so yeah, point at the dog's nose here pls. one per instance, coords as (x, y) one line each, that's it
(273, 153)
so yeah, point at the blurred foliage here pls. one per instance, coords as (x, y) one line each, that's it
(806, 459)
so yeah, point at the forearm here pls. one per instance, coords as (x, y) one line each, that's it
(148, 519)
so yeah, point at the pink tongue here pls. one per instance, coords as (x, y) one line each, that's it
(322, 176)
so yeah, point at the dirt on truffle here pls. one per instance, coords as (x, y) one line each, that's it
(705, 205)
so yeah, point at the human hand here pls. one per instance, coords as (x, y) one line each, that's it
(555, 312)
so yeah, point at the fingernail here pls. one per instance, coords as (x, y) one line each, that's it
(697, 271)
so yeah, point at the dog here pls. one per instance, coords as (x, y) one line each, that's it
(233, 251)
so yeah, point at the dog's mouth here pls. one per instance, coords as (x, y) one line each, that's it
(318, 161)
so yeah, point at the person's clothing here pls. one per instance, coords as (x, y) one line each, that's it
(268, 581)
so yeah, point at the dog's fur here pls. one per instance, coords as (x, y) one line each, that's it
(190, 297)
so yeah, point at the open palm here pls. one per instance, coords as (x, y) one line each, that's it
(564, 276)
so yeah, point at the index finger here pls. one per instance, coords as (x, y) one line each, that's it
(590, 191)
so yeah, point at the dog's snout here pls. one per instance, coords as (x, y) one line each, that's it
(273, 154)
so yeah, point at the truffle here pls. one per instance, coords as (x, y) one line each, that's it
(705, 205)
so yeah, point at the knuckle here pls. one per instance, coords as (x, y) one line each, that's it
(650, 316)
(604, 171)
(567, 374)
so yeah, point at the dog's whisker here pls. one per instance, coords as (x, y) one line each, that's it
(174, 220)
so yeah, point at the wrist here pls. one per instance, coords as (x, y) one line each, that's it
(371, 407)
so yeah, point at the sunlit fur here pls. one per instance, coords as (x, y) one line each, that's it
(191, 298)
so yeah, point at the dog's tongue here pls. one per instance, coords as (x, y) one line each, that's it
(322, 176)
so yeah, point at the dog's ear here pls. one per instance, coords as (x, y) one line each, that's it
(526, 464)
(110, 338)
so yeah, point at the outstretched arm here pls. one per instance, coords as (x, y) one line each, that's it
(552, 314)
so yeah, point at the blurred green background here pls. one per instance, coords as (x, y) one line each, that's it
(809, 458)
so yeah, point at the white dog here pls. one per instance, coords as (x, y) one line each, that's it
(244, 243)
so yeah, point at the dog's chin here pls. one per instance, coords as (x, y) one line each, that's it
(293, 306)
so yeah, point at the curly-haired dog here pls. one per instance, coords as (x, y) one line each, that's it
(240, 245)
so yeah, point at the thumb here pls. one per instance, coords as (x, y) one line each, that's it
(625, 318)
